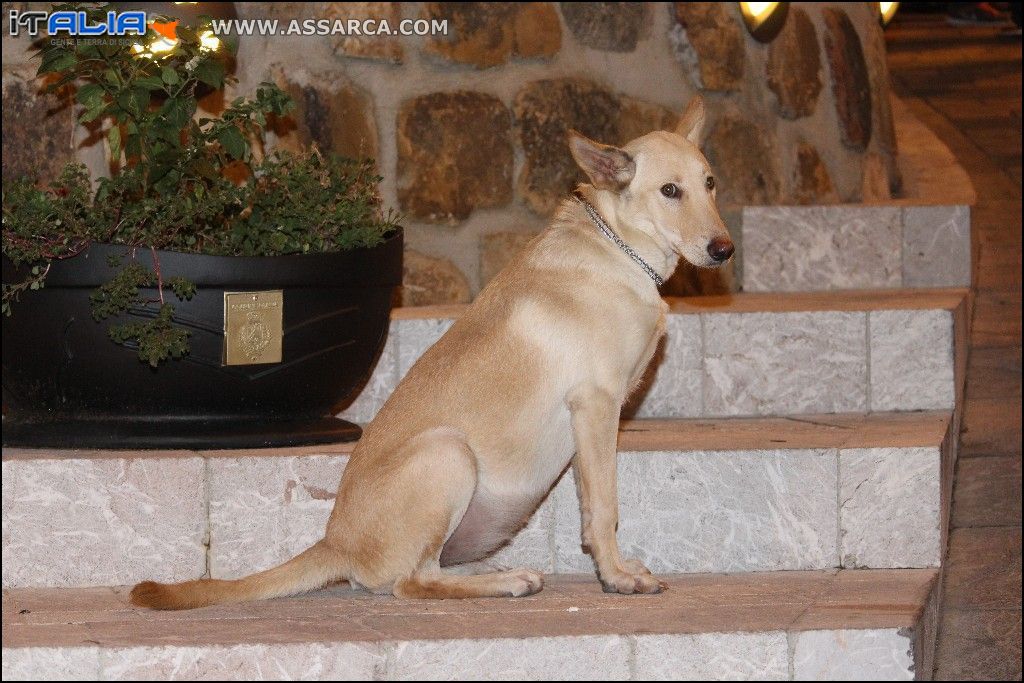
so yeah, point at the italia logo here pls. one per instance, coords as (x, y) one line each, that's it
(76, 23)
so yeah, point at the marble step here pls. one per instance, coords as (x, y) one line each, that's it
(762, 354)
(855, 246)
(699, 495)
(846, 624)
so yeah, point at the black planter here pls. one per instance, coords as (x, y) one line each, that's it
(67, 385)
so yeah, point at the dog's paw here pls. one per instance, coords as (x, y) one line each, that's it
(523, 582)
(632, 577)
(635, 567)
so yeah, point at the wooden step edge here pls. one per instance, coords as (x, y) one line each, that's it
(569, 605)
(838, 430)
(766, 302)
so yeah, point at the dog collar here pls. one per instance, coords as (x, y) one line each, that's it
(619, 242)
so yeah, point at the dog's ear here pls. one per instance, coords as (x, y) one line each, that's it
(691, 123)
(609, 168)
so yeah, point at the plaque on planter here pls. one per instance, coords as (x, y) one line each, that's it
(252, 327)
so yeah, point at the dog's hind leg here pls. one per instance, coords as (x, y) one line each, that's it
(431, 582)
(441, 477)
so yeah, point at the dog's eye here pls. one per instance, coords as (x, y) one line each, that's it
(710, 182)
(670, 190)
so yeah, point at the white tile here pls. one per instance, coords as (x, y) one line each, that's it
(784, 363)
(937, 246)
(713, 657)
(51, 664)
(383, 380)
(889, 507)
(415, 337)
(265, 510)
(103, 521)
(672, 387)
(562, 658)
(868, 655)
(817, 248)
(257, 662)
(911, 360)
(715, 512)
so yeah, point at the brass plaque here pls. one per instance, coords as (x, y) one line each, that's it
(253, 327)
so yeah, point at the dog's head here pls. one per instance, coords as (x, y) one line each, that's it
(662, 185)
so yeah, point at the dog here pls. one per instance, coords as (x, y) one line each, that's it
(530, 379)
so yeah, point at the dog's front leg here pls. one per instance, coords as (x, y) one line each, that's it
(595, 422)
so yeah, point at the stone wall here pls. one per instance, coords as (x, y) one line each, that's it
(468, 129)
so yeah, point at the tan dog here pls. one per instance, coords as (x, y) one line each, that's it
(535, 370)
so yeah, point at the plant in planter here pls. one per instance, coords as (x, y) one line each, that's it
(116, 296)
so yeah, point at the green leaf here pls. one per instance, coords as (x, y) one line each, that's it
(211, 72)
(54, 86)
(171, 135)
(88, 50)
(141, 97)
(183, 288)
(121, 292)
(133, 147)
(89, 94)
(177, 112)
(93, 112)
(114, 140)
(233, 142)
(58, 62)
(187, 34)
(168, 184)
(169, 76)
(150, 82)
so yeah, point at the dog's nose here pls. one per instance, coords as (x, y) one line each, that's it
(721, 248)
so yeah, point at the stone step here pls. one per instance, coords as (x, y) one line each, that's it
(762, 354)
(847, 624)
(855, 246)
(708, 495)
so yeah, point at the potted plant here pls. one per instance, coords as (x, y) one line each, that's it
(207, 293)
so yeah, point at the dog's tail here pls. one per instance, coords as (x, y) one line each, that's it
(311, 569)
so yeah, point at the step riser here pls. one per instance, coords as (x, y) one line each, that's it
(734, 364)
(821, 248)
(874, 654)
(117, 521)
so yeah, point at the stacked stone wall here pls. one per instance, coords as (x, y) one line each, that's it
(468, 128)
